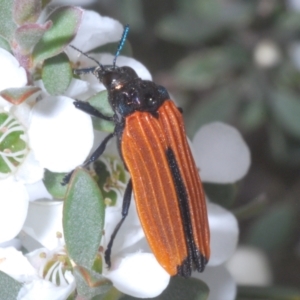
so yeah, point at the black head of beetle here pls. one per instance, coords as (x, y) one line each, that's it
(128, 93)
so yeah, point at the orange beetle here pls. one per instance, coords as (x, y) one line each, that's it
(164, 178)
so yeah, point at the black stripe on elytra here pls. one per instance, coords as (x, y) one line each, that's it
(194, 259)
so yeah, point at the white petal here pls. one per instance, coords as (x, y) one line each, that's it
(294, 5)
(130, 233)
(78, 89)
(60, 135)
(221, 285)
(13, 208)
(37, 191)
(22, 113)
(139, 275)
(16, 243)
(43, 289)
(16, 265)
(95, 31)
(221, 153)
(12, 75)
(30, 170)
(44, 221)
(250, 266)
(224, 233)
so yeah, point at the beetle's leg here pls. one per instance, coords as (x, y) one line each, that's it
(95, 155)
(125, 208)
(89, 109)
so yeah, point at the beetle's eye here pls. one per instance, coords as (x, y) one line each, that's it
(150, 100)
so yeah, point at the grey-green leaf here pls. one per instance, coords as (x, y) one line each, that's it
(4, 44)
(207, 68)
(217, 106)
(26, 11)
(66, 21)
(181, 288)
(53, 184)
(9, 287)
(223, 194)
(19, 95)
(57, 74)
(270, 293)
(28, 35)
(7, 25)
(83, 218)
(286, 110)
(273, 230)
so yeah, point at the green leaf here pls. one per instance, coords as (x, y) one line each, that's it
(53, 184)
(90, 283)
(288, 21)
(134, 11)
(4, 44)
(100, 102)
(28, 35)
(207, 68)
(66, 21)
(274, 230)
(217, 106)
(253, 115)
(181, 288)
(7, 25)
(270, 293)
(57, 74)
(223, 194)
(83, 218)
(13, 147)
(177, 28)
(286, 110)
(26, 11)
(9, 287)
(284, 150)
(210, 18)
(226, 14)
(252, 209)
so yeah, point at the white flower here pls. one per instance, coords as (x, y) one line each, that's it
(50, 129)
(31, 270)
(60, 136)
(222, 157)
(250, 266)
(267, 54)
(221, 153)
(13, 195)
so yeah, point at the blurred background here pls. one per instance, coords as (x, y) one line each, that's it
(235, 61)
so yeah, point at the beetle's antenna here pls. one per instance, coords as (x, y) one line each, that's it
(86, 55)
(121, 43)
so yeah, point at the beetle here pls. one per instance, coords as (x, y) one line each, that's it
(165, 181)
